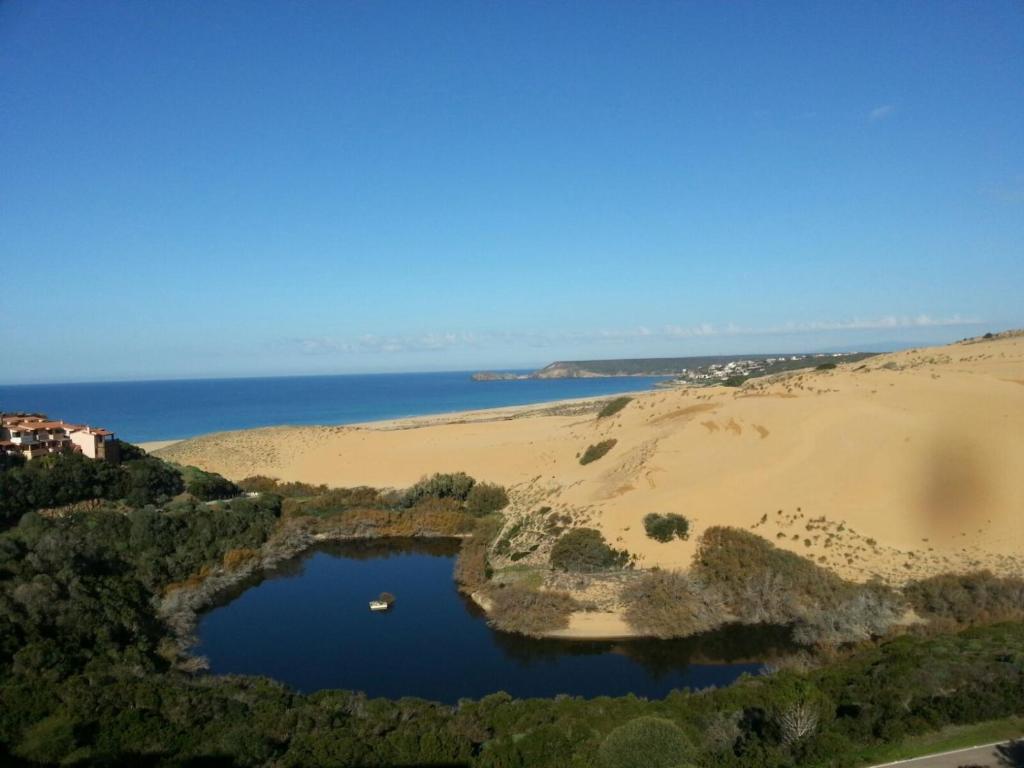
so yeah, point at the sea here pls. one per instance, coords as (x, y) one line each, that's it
(142, 411)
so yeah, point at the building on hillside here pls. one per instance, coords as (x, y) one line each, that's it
(96, 443)
(34, 434)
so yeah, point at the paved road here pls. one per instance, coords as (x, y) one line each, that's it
(1003, 755)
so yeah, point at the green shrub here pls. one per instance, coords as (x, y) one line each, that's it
(338, 500)
(646, 742)
(58, 480)
(666, 527)
(486, 498)
(149, 480)
(825, 367)
(596, 451)
(667, 604)
(129, 451)
(762, 583)
(614, 406)
(515, 608)
(584, 549)
(48, 741)
(208, 486)
(456, 485)
(11, 461)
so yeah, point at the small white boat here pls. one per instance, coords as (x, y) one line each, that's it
(383, 602)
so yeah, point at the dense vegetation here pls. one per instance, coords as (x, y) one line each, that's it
(613, 406)
(530, 611)
(597, 450)
(584, 549)
(759, 582)
(92, 675)
(63, 479)
(664, 528)
(208, 486)
(968, 598)
(667, 604)
(646, 742)
(486, 498)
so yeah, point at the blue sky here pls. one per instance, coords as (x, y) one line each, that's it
(194, 188)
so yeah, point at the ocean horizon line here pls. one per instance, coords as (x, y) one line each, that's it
(177, 409)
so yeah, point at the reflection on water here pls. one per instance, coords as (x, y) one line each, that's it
(307, 623)
(729, 645)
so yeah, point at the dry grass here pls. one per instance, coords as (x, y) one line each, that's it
(515, 608)
(671, 604)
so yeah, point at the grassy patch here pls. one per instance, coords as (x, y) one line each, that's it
(945, 740)
(596, 451)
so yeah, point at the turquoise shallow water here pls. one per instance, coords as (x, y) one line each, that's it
(168, 410)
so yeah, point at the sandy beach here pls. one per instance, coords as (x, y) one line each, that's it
(906, 465)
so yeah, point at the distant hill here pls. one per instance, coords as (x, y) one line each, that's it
(697, 366)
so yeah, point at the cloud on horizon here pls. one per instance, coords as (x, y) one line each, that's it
(439, 341)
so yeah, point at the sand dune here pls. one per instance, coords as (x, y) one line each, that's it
(905, 465)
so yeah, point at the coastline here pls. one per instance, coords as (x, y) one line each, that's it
(471, 416)
(463, 415)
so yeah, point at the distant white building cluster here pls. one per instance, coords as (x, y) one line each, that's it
(35, 434)
(719, 372)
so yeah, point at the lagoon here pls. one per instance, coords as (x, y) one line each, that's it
(308, 625)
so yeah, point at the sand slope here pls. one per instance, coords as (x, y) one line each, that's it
(905, 465)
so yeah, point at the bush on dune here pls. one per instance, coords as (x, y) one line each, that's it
(761, 583)
(486, 498)
(456, 485)
(613, 406)
(968, 598)
(669, 604)
(596, 451)
(530, 611)
(664, 528)
(584, 549)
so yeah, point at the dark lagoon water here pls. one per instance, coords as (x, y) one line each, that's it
(168, 410)
(308, 625)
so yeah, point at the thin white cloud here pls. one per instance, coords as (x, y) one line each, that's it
(440, 341)
(881, 112)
